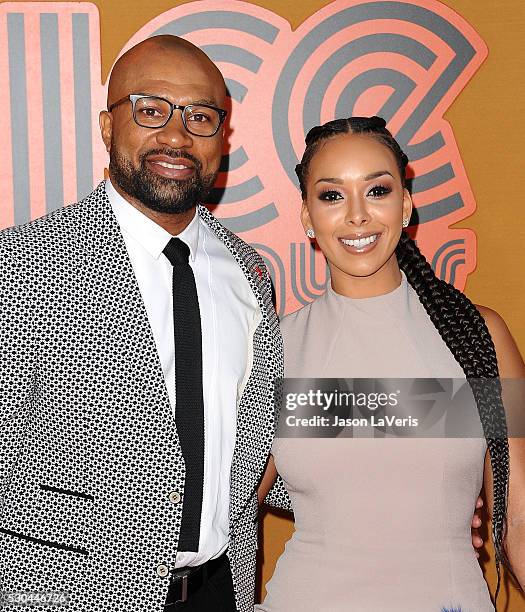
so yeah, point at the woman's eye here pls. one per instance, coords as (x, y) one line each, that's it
(378, 191)
(330, 196)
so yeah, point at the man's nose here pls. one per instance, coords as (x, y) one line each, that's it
(174, 134)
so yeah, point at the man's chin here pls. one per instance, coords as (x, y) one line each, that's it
(174, 195)
(169, 204)
(163, 196)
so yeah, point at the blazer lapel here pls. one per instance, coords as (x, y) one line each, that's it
(124, 320)
(256, 423)
(251, 270)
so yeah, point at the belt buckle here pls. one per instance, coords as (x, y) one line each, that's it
(183, 577)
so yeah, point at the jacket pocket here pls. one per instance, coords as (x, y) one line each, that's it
(64, 516)
(69, 492)
(51, 516)
(49, 544)
(28, 565)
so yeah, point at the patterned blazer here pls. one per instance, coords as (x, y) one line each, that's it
(89, 449)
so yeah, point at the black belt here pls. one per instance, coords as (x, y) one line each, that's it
(184, 581)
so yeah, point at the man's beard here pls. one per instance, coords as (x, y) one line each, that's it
(156, 192)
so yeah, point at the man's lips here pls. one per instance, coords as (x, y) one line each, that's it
(171, 167)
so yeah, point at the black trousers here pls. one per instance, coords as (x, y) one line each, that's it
(215, 595)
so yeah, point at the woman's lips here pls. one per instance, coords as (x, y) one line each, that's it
(360, 244)
(176, 168)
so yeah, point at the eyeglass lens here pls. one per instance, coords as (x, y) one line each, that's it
(154, 112)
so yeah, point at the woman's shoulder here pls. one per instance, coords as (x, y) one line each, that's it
(298, 321)
(495, 323)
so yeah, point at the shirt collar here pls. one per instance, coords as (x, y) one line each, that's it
(151, 236)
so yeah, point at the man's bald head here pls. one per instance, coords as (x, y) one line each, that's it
(164, 49)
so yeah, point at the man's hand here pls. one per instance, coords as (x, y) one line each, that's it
(477, 542)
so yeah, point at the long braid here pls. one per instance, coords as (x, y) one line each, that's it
(465, 333)
(457, 320)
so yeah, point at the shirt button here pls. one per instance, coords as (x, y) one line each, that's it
(162, 570)
(174, 497)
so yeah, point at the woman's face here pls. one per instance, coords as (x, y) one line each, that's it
(356, 204)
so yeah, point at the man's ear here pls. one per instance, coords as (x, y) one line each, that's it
(105, 121)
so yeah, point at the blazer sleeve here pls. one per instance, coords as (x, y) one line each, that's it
(16, 370)
(278, 496)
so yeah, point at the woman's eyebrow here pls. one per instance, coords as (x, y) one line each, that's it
(367, 177)
(338, 181)
(374, 175)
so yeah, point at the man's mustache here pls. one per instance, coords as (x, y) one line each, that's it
(172, 153)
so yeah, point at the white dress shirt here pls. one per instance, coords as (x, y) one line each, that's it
(229, 316)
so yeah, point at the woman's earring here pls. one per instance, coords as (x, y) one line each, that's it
(310, 232)
(406, 222)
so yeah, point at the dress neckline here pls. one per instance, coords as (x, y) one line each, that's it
(398, 297)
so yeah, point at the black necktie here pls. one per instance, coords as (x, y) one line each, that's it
(189, 403)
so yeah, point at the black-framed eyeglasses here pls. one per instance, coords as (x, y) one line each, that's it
(155, 112)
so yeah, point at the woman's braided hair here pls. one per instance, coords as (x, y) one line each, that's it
(457, 320)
